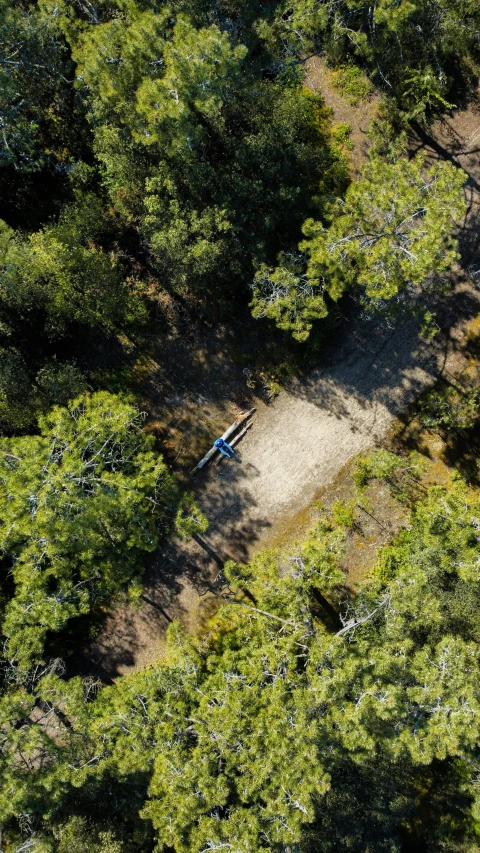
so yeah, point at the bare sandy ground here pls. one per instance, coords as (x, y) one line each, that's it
(296, 446)
(314, 429)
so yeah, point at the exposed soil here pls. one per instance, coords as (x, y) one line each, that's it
(296, 447)
(378, 518)
(358, 115)
(303, 440)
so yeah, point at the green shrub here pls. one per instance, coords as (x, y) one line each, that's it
(352, 83)
(450, 408)
(343, 513)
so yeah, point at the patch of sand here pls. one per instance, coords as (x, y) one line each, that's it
(296, 446)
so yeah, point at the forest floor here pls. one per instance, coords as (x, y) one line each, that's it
(305, 438)
(359, 114)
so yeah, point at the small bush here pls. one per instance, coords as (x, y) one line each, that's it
(352, 83)
(189, 519)
(343, 514)
(389, 561)
(341, 134)
(388, 132)
(450, 408)
(380, 465)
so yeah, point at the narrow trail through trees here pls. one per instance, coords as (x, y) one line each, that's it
(299, 443)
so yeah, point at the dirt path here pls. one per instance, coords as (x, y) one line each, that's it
(358, 115)
(299, 443)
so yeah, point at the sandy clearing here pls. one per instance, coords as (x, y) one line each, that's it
(313, 430)
(301, 442)
(296, 446)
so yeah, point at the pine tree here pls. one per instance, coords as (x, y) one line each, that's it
(390, 236)
(80, 502)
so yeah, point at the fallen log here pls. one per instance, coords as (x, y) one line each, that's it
(234, 441)
(226, 435)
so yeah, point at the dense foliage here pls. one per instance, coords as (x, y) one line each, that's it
(147, 150)
(392, 233)
(79, 503)
(421, 53)
(262, 735)
(154, 153)
(176, 147)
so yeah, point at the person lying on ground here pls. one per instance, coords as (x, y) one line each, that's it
(224, 448)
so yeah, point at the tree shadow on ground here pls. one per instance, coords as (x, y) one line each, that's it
(226, 501)
(380, 367)
(462, 449)
(458, 150)
(177, 571)
(376, 366)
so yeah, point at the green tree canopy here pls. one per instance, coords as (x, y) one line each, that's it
(202, 71)
(252, 736)
(57, 285)
(43, 127)
(177, 105)
(419, 52)
(80, 503)
(61, 272)
(391, 234)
